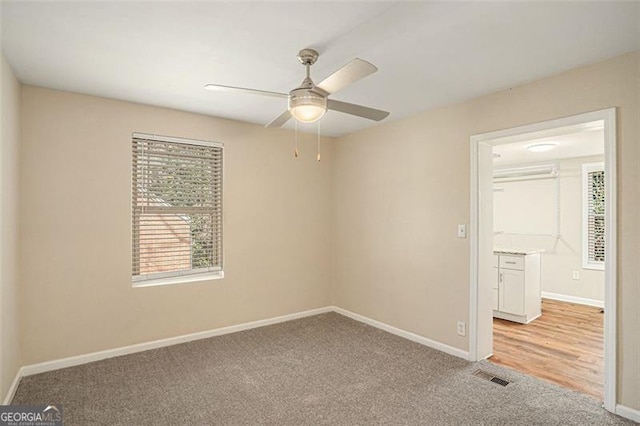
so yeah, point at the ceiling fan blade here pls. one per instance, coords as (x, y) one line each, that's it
(359, 110)
(245, 90)
(280, 120)
(350, 73)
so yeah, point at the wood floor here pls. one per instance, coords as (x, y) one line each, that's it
(564, 346)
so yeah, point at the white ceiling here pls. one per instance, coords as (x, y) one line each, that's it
(429, 54)
(570, 141)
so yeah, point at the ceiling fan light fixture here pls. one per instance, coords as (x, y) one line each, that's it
(309, 102)
(307, 106)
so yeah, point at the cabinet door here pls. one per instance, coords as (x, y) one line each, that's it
(511, 291)
(494, 288)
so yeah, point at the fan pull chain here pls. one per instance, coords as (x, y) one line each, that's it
(295, 152)
(318, 141)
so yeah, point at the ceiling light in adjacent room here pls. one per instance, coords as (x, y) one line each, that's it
(541, 147)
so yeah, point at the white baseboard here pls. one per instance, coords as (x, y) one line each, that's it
(29, 370)
(629, 413)
(406, 334)
(13, 388)
(573, 299)
(57, 364)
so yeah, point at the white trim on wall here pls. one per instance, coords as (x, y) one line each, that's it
(29, 370)
(474, 238)
(608, 116)
(629, 413)
(14, 387)
(42, 367)
(573, 299)
(611, 260)
(403, 333)
(57, 364)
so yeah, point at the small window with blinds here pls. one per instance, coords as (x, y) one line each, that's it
(593, 193)
(176, 210)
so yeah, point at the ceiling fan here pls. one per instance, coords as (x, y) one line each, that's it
(309, 102)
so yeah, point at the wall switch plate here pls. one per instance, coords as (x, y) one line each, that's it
(576, 275)
(462, 328)
(462, 231)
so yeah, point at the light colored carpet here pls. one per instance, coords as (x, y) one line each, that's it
(326, 369)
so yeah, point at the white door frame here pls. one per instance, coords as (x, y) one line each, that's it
(608, 116)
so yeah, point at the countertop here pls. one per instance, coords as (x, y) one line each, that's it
(513, 250)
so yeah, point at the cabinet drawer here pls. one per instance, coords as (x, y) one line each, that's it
(512, 262)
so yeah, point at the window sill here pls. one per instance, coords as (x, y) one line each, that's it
(594, 266)
(179, 279)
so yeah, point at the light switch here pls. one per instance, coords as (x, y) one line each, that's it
(462, 231)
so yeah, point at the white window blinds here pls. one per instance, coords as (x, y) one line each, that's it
(177, 207)
(594, 216)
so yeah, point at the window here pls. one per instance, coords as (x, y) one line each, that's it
(593, 222)
(176, 210)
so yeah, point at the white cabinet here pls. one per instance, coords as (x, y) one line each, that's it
(516, 291)
(511, 291)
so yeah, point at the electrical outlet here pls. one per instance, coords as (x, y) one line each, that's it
(462, 231)
(462, 328)
(576, 275)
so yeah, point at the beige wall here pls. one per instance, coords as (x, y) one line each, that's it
(561, 256)
(9, 134)
(401, 188)
(75, 253)
(392, 196)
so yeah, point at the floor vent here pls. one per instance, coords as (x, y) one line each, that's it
(490, 377)
(501, 382)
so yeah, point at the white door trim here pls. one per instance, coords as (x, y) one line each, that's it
(608, 116)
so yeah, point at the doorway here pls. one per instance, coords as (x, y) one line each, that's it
(483, 263)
